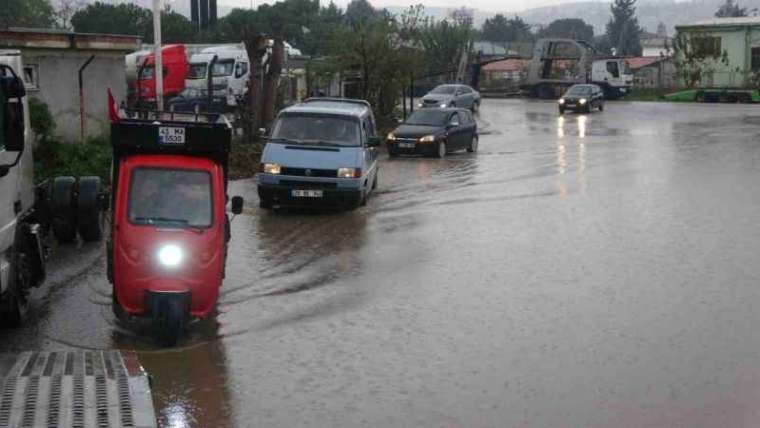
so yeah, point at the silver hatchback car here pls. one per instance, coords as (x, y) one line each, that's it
(451, 96)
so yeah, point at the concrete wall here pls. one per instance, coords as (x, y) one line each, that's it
(58, 87)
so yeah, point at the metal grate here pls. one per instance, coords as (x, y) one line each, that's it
(74, 389)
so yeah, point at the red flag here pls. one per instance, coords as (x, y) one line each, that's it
(113, 109)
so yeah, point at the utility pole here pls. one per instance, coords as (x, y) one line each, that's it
(158, 71)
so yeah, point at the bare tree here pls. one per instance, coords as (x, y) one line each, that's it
(65, 10)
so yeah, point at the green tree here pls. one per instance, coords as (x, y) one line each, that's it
(443, 42)
(730, 9)
(26, 13)
(360, 12)
(131, 19)
(502, 30)
(571, 28)
(106, 18)
(623, 30)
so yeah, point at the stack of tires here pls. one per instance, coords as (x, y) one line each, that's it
(76, 206)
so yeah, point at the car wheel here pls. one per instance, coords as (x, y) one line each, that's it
(473, 148)
(442, 150)
(475, 107)
(392, 153)
(601, 106)
(561, 110)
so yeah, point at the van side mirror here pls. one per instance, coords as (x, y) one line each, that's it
(12, 113)
(237, 205)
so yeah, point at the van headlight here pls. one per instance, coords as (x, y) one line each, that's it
(170, 255)
(561, 101)
(349, 172)
(271, 168)
(583, 101)
(427, 139)
(391, 137)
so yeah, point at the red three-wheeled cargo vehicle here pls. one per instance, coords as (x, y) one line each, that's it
(169, 226)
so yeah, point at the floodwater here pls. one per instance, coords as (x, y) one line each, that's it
(588, 271)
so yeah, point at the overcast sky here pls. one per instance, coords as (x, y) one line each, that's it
(487, 5)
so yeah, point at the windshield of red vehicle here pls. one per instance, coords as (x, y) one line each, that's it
(170, 197)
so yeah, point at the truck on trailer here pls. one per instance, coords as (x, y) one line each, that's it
(28, 211)
(229, 67)
(558, 64)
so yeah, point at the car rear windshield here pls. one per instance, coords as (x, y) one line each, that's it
(579, 90)
(428, 118)
(170, 197)
(447, 89)
(318, 129)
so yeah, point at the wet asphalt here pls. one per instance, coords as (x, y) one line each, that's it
(588, 271)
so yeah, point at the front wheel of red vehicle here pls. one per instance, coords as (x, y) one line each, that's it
(118, 311)
(172, 321)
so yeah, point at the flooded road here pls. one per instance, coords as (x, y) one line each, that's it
(593, 270)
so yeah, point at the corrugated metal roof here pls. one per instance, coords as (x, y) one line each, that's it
(506, 65)
(643, 61)
(725, 22)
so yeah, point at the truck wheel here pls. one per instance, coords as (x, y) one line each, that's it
(14, 307)
(62, 206)
(89, 214)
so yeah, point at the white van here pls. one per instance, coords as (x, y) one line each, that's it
(230, 73)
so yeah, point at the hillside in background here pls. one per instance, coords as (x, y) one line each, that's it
(596, 13)
(650, 12)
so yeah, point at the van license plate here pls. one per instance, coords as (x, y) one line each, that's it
(307, 193)
(171, 136)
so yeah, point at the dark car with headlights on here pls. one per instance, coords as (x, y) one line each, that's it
(584, 98)
(435, 132)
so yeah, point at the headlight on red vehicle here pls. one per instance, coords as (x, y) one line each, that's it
(170, 255)
(349, 172)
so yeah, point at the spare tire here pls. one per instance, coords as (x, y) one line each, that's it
(89, 218)
(63, 209)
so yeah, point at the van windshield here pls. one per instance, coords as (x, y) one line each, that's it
(317, 129)
(170, 197)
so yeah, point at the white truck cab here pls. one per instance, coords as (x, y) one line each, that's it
(230, 71)
(65, 205)
(613, 75)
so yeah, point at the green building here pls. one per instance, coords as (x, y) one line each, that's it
(719, 53)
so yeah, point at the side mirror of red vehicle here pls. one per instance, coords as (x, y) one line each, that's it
(237, 205)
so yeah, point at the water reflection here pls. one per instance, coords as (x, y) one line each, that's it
(565, 142)
(190, 382)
